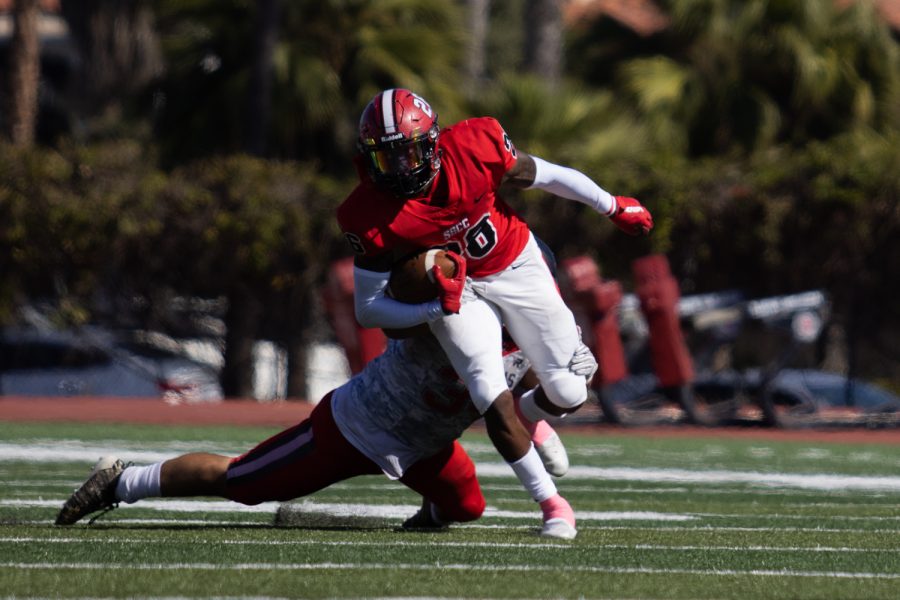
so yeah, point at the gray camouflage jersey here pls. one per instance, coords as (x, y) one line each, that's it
(408, 403)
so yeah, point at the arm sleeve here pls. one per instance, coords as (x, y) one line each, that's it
(374, 309)
(572, 185)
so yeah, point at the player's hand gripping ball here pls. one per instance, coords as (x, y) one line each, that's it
(451, 287)
(415, 279)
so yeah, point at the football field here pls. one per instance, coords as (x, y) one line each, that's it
(665, 517)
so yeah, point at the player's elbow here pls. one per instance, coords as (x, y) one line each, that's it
(365, 316)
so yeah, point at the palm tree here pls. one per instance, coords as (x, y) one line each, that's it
(542, 50)
(259, 94)
(24, 73)
(478, 25)
(748, 74)
(119, 50)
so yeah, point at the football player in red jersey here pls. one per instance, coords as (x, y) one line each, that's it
(423, 187)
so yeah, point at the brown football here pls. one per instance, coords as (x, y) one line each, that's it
(410, 280)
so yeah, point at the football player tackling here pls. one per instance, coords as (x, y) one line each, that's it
(401, 416)
(422, 187)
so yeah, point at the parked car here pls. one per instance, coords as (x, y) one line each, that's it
(97, 362)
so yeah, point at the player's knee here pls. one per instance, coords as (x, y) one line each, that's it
(470, 509)
(485, 393)
(567, 392)
(214, 473)
(244, 493)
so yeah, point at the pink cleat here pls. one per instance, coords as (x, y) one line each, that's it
(559, 518)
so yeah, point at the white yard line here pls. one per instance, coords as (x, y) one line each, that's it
(690, 527)
(830, 482)
(75, 452)
(334, 509)
(442, 544)
(360, 486)
(401, 511)
(68, 451)
(443, 567)
(801, 517)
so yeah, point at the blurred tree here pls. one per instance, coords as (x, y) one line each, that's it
(248, 230)
(120, 52)
(597, 43)
(24, 73)
(749, 74)
(478, 28)
(101, 233)
(542, 52)
(260, 93)
(339, 54)
(331, 57)
(62, 212)
(200, 102)
(503, 42)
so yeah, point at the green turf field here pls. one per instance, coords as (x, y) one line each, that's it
(668, 518)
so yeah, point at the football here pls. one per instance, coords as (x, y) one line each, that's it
(411, 279)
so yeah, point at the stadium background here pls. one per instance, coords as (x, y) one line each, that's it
(173, 169)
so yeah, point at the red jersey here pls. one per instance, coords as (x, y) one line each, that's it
(461, 210)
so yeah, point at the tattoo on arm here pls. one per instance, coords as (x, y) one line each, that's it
(521, 175)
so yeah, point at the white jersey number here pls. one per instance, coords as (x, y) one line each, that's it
(481, 237)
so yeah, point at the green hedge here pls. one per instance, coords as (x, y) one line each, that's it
(82, 221)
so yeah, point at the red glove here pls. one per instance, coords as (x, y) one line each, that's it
(631, 217)
(451, 288)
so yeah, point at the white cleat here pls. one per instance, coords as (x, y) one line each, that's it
(553, 455)
(558, 528)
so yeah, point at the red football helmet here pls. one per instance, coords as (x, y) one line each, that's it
(398, 132)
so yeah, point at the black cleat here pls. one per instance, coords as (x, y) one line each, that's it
(424, 518)
(98, 492)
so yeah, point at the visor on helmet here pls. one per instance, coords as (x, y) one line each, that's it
(405, 166)
(401, 159)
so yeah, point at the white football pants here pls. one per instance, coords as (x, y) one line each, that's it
(524, 298)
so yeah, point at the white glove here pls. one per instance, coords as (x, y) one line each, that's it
(583, 362)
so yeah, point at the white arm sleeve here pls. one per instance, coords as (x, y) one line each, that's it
(572, 185)
(374, 309)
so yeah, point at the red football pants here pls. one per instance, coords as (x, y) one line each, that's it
(314, 454)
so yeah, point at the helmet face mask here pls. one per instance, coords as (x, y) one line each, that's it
(398, 133)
